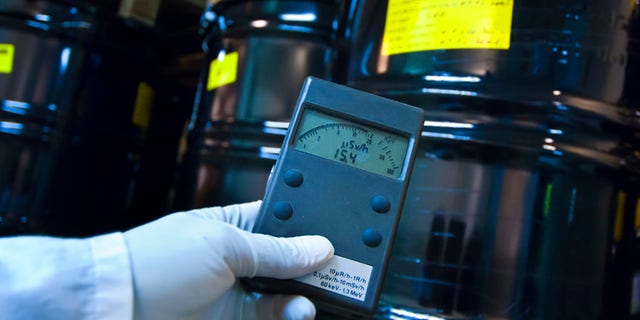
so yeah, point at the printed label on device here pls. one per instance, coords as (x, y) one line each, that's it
(343, 276)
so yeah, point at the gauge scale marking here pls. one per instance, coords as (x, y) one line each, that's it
(366, 148)
(342, 172)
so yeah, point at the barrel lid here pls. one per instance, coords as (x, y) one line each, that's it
(43, 11)
(242, 17)
(58, 10)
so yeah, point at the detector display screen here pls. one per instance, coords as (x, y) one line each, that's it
(351, 143)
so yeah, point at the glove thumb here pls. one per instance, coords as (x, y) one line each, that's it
(284, 258)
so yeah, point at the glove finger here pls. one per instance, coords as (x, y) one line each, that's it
(280, 306)
(241, 215)
(284, 258)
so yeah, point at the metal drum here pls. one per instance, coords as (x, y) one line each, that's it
(523, 202)
(37, 80)
(259, 53)
(68, 86)
(514, 219)
(581, 53)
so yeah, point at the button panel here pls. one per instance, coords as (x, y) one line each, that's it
(371, 237)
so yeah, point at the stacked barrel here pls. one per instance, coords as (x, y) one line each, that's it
(524, 195)
(259, 53)
(75, 94)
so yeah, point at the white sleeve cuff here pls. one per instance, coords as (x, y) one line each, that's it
(113, 274)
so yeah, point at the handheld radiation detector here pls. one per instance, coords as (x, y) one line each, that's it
(342, 172)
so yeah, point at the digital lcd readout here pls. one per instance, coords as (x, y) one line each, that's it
(351, 143)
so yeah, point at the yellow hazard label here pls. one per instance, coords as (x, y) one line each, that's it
(143, 106)
(223, 70)
(6, 57)
(618, 224)
(412, 26)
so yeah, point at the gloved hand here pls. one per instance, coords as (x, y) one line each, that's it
(186, 265)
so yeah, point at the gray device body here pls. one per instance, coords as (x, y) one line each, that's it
(357, 210)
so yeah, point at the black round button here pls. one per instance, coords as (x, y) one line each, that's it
(282, 210)
(380, 204)
(293, 177)
(371, 237)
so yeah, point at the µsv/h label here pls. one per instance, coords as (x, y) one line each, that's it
(343, 276)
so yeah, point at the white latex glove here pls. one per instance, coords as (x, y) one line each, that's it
(186, 265)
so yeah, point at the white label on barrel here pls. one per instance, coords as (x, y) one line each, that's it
(6, 57)
(343, 276)
(413, 26)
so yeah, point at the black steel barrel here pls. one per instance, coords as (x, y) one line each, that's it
(512, 219)
(69, 138)
(258, 53)
(38, 79)
(523, 202)
(551, 51)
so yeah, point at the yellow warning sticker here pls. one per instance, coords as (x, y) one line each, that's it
(6, 57)
(223, 70)
(412, 26)
(618, 224)
(143, 106)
